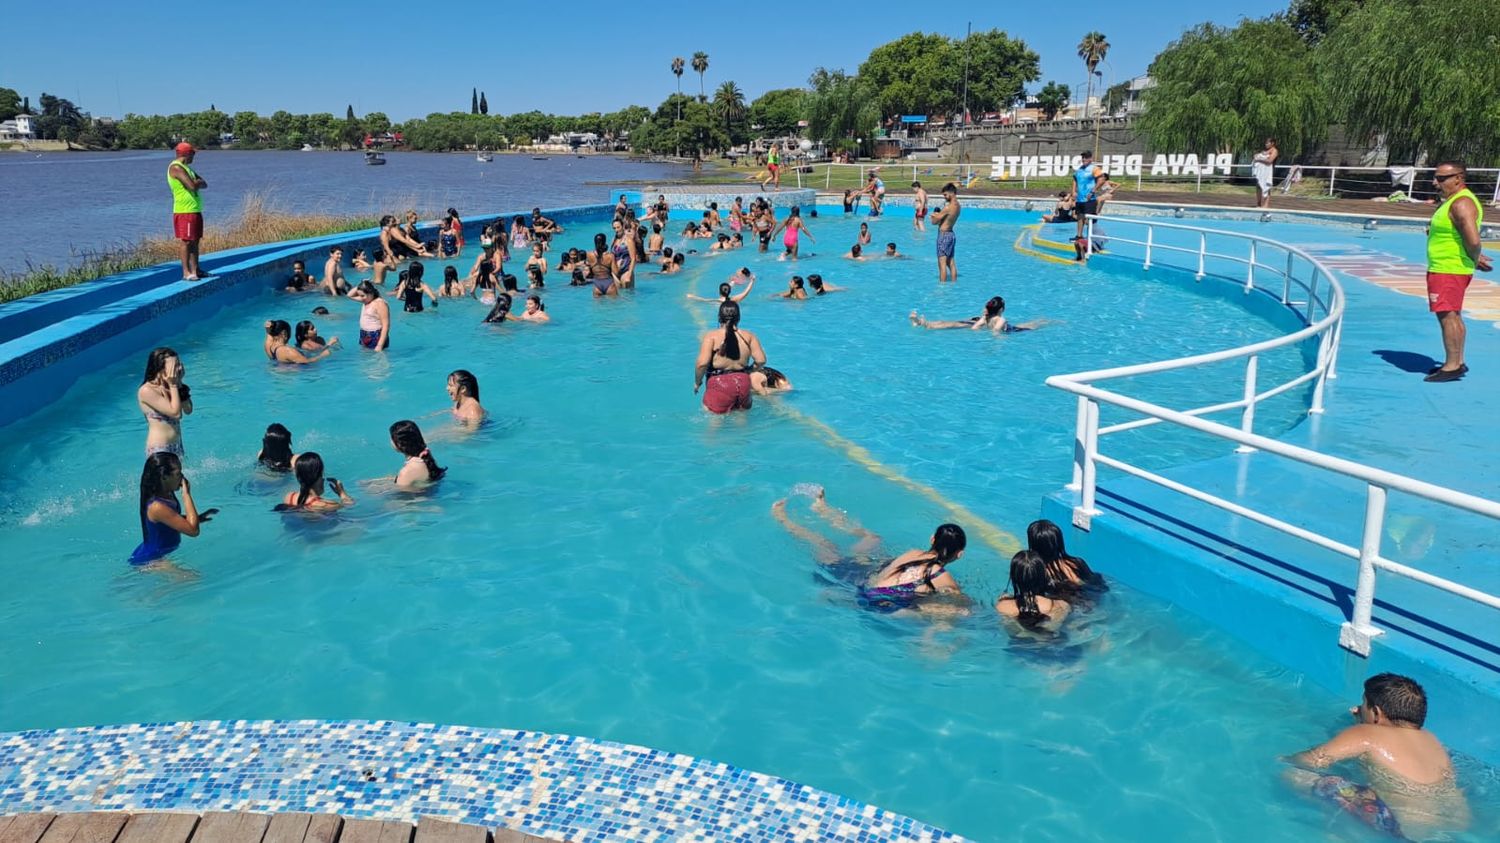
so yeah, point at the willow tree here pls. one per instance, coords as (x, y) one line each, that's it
(1220, 89)
(841, 108)
(1424, 74)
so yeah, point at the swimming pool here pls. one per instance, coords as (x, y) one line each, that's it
(601, 559)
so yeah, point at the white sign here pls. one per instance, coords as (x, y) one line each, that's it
(1043, 166)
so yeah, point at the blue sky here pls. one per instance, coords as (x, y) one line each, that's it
(411, 59)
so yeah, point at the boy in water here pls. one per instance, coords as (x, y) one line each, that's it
(921, 203)
(1407, 763)
(333, 274)
(300, 280)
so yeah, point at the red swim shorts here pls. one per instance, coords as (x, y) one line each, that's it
(1445, 291)
(729, 391)
(188, 227)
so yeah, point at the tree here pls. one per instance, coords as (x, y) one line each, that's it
(841, 109)
(917, 73)
(700, 66)
(697, 132)
(26, 105)
(777, 112)
(376, 123)
(1229, 89)
(473, 100)
(349, 114)
(10, 103)
(1000, 67)
(1114, 98)
(484, 104)
(1434, 85)
(1092, 49)
(729, 106)
(1052, 98)
(678, 65)
(1314, 19)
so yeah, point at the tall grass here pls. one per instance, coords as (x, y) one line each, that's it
(257, 222)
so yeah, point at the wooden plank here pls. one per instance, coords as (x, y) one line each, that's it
(91, 827)
(434, 830)
(510, 835)
(231, 827)
(158, 828)
(303, 828)
(24, 828)
(376, 831)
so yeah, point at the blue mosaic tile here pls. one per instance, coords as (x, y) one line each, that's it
(549, 785)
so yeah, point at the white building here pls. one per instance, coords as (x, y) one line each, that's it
(1134, 94)
(18, 128)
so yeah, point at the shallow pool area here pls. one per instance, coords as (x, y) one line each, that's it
(601, 560)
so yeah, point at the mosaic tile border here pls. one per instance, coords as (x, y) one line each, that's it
(544, 784)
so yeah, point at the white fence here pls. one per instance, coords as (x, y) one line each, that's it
(1310, 290)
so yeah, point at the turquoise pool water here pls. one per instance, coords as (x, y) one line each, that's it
(601, 559)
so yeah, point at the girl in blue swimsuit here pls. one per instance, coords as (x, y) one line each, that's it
(164, 521)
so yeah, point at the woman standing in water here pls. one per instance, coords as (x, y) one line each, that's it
(164, 520)
(603, 271)
(164, 399)
(793, 228)
(420, 469)
(724, 358)
(907, 582)
(374, 317)
(463, 390)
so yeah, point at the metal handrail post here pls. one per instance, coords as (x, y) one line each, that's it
(1357, 633)
(1078, 443)
(1202, 251)
(1150, 237)
(1247, 415)
(1250, 269)
(1286, 282)
(1086, 510)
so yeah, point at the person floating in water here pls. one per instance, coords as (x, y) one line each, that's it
(725, 357)
(1413, 787)
(992, 319)
(910, 581)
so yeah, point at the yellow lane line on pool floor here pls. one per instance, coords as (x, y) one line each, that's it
(1027, 250)
(1003, 543)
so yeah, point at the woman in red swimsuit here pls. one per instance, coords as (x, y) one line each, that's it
(725, 357)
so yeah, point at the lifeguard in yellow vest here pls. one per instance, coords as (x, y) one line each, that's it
(187, 208)
(1453, 253)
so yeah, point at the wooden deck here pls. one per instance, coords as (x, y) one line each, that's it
(235, 827)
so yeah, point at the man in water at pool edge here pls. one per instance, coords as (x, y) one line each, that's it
(1417, 784)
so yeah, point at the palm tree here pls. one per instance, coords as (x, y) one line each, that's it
(700, 67)
(678, 64)
(729, 103)
(1092, 49)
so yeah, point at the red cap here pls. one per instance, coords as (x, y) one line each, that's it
(185, 148)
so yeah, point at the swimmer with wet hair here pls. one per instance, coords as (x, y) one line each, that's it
(890, 251)
(310, 487)
(536, 310)
(726, 290)
(463, 391)
(992, 319)
(1414, 791)
(796, 289)
(1028, 603)
(334, 283)
(855, 253)
(420, 468)
(765, 380)
(279, 349)
(821, 287)
(675, 265)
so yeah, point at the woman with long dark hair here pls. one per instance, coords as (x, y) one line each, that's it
(311, 485)
(279, 349)
(725, 356)
(165, 520)
(1028, 601)
(463, 390)
(907, 582)
(164, 399)
(411, 288)
(307, 337)
(420, 468)
(1069, 573)
(276, 448)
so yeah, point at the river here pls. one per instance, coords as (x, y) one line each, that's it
(55, 207)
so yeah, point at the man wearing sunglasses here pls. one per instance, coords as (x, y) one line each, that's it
(1452, 256)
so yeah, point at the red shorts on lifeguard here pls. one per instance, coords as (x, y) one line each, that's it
(1445, 291)
(188, 227)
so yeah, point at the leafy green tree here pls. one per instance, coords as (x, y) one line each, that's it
(625, 121)
(1114, 98)
(246, 128)
(141, 131)
(376, 122)
(322, 129)
(918, 73)
(841, 109)
(1000, 67)
(700, 67)
(698, 132)
(1228, 89)
(10, 103)
(1053, 98)
(1092, 49)
(1425, 74)
(1314, 19)
(777, 112)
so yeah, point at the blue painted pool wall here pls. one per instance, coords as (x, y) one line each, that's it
(1253, 608)
(81, 329)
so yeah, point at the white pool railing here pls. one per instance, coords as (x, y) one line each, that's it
(1318, 300)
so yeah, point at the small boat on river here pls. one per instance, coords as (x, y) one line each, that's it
(374, 158)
